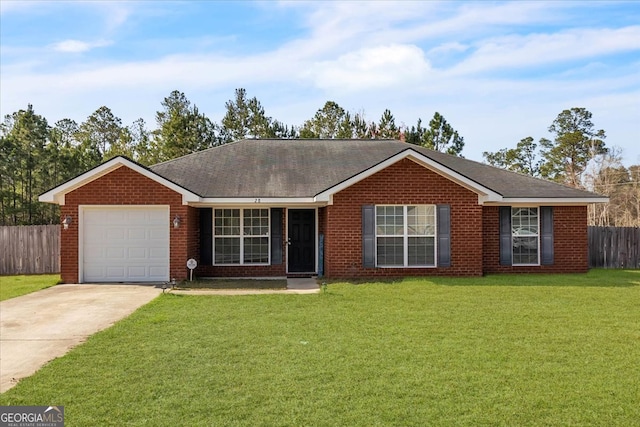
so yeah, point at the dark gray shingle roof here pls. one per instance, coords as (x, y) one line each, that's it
(304, 168)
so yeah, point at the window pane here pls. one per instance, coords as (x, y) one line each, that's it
(256, 222)
(389, 220)
(227, 222)
(227, 250)
(256, 250)
(524, 221)
(421, 220)
(421, 251)
(390, 250)
(525, 250)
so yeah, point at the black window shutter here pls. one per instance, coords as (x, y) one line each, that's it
(276, 236)
(444, 235)
(206, 236)
(546, 235)
(368, 236)
(506, 247)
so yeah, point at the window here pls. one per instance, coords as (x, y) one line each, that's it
(241, 236)
(525, 235)
(405, 236)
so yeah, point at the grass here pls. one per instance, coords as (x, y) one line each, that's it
(498, 350)
(233, 284)
(14, 286)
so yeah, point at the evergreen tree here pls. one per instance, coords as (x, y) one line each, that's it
(329, 122)
(415, 134)
(387, 128)
(24, 171)
(246, 118)
(100, 132)
(361, 128)
(522, 159)
(575, 143)
(141, 143)
(182, 129)
(345, 127)
(441, 136)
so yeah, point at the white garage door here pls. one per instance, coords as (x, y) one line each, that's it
(125, 244)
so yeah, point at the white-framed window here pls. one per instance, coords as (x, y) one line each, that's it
(525, 235)
(406, 236)
(240, 236)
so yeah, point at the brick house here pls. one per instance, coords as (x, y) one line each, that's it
(338, 208)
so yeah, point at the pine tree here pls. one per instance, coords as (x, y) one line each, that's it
(441, 136)
(575, 143)
(387, 128)
(182, 129)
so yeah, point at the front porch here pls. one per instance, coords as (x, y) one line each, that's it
(251, 241)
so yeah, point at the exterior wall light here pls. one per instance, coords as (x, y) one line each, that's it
(176, 221)
(66, 222)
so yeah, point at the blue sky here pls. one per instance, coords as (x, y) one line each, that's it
(497, 71)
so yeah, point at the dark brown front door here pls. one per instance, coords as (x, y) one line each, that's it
(302, 240)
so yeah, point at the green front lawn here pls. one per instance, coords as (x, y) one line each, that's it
(14, 286)
(499, 350)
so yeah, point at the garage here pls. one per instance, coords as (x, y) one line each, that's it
(124, 244)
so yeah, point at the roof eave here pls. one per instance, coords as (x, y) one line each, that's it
(258, 201)
(548, 201)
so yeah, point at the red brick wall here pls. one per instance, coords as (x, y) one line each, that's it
(402, 183)
(124, 186)
(570, 244)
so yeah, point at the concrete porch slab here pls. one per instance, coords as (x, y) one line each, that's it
(306, 283)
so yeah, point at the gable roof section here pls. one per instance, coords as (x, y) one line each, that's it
(314, 169)
(484, 193)
(57, 194)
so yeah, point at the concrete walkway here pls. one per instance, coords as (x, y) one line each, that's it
(294, 286)
(41, 326)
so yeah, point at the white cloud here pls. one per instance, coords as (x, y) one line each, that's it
(349, 25)
(77, 46)
(540, 49)
(372, 68)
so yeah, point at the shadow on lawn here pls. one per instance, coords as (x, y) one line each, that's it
(601, 278)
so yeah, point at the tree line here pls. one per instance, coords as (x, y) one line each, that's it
(36, 156)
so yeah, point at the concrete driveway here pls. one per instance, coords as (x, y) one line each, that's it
(41, 326)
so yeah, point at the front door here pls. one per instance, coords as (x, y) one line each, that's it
(302, 241)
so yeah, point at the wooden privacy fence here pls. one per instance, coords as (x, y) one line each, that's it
(30, 249)
(614, 247)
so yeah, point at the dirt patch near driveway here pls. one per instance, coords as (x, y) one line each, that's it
(41, 326)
